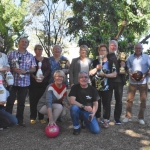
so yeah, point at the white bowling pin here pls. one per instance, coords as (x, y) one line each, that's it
(39, 73)
(3, 92)
(9, 78)
(148, 83)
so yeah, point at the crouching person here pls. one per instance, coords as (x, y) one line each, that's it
(84, 100)
(54, 99)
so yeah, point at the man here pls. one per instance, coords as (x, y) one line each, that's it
(118, 82)
(137, 62)
(21, 73)
(80, 63)
(84, 100)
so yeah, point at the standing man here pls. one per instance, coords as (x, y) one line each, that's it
(21, 75)
(118, 82)
(84, 100)
(137, 62)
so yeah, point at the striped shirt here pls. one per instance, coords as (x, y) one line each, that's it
(53, 94)
(25, 61)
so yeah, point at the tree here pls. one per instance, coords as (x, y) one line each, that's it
(96, 22)
(51, 27)
(12, 22)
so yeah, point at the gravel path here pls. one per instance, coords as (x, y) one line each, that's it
(127, 136)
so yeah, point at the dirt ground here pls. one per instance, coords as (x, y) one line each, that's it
(127, 136)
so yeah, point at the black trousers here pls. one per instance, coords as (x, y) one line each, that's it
(106, 101)
(20, 94)
(118, 93)
(35, 93)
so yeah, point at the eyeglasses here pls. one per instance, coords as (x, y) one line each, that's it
(86, 77)
(102, 50)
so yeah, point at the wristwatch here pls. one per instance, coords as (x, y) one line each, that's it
(82, 106)
(27, 71)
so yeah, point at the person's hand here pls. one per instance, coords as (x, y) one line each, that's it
(123, 64)
(17, 70)
(5, 68)
(143, 77)
(39, 80)
(131, 77)
(2, 103)
(88, 108)
(23, 71)
(98, 67)
(51, 123)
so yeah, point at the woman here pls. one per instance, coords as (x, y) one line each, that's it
(100, 74)
(58, 62)
(82, 63)
(38, 86)
(54, 99)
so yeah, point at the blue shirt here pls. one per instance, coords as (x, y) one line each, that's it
(141, 63)
(55, 66)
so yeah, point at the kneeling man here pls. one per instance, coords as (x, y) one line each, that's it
(84, 100)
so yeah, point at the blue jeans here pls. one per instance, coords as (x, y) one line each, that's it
(7, 119)
(77, 114)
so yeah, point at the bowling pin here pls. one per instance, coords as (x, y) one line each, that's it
(148, 83)
(9, 78)
(3, 92)
(39, 73)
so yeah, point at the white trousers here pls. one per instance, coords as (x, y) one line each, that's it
(57, 109)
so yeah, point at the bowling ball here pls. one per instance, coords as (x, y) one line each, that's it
(52, 131)
(137, 75)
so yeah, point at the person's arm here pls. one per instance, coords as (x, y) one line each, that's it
(74, 102)
(49, 106)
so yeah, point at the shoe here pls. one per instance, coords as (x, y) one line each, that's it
(32, 121)
(106, 124)
(141, 121)
(126, 120)
(102, 121)
(76, 131)
(22, 124)
(117, 121)
(43, 121)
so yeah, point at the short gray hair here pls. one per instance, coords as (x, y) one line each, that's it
(82, 72)
(84, 47)
(113, 41)
(60, 72)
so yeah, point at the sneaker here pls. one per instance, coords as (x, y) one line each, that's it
(76, 131)
(43, 121)
(126, 120)
(141, 121)
(32, 121)
(102, 121)
(106, 124)
(117, 121)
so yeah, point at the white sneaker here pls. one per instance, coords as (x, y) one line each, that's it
(126, 120)
(141, 121)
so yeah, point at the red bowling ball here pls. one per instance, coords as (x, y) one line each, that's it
(137, 75)
(52, 131)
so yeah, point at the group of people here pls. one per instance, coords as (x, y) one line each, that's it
(92, 82)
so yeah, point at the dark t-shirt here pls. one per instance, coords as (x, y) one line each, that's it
(85, 96)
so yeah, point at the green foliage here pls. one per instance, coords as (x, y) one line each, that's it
(96, 21)
(12, 22)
